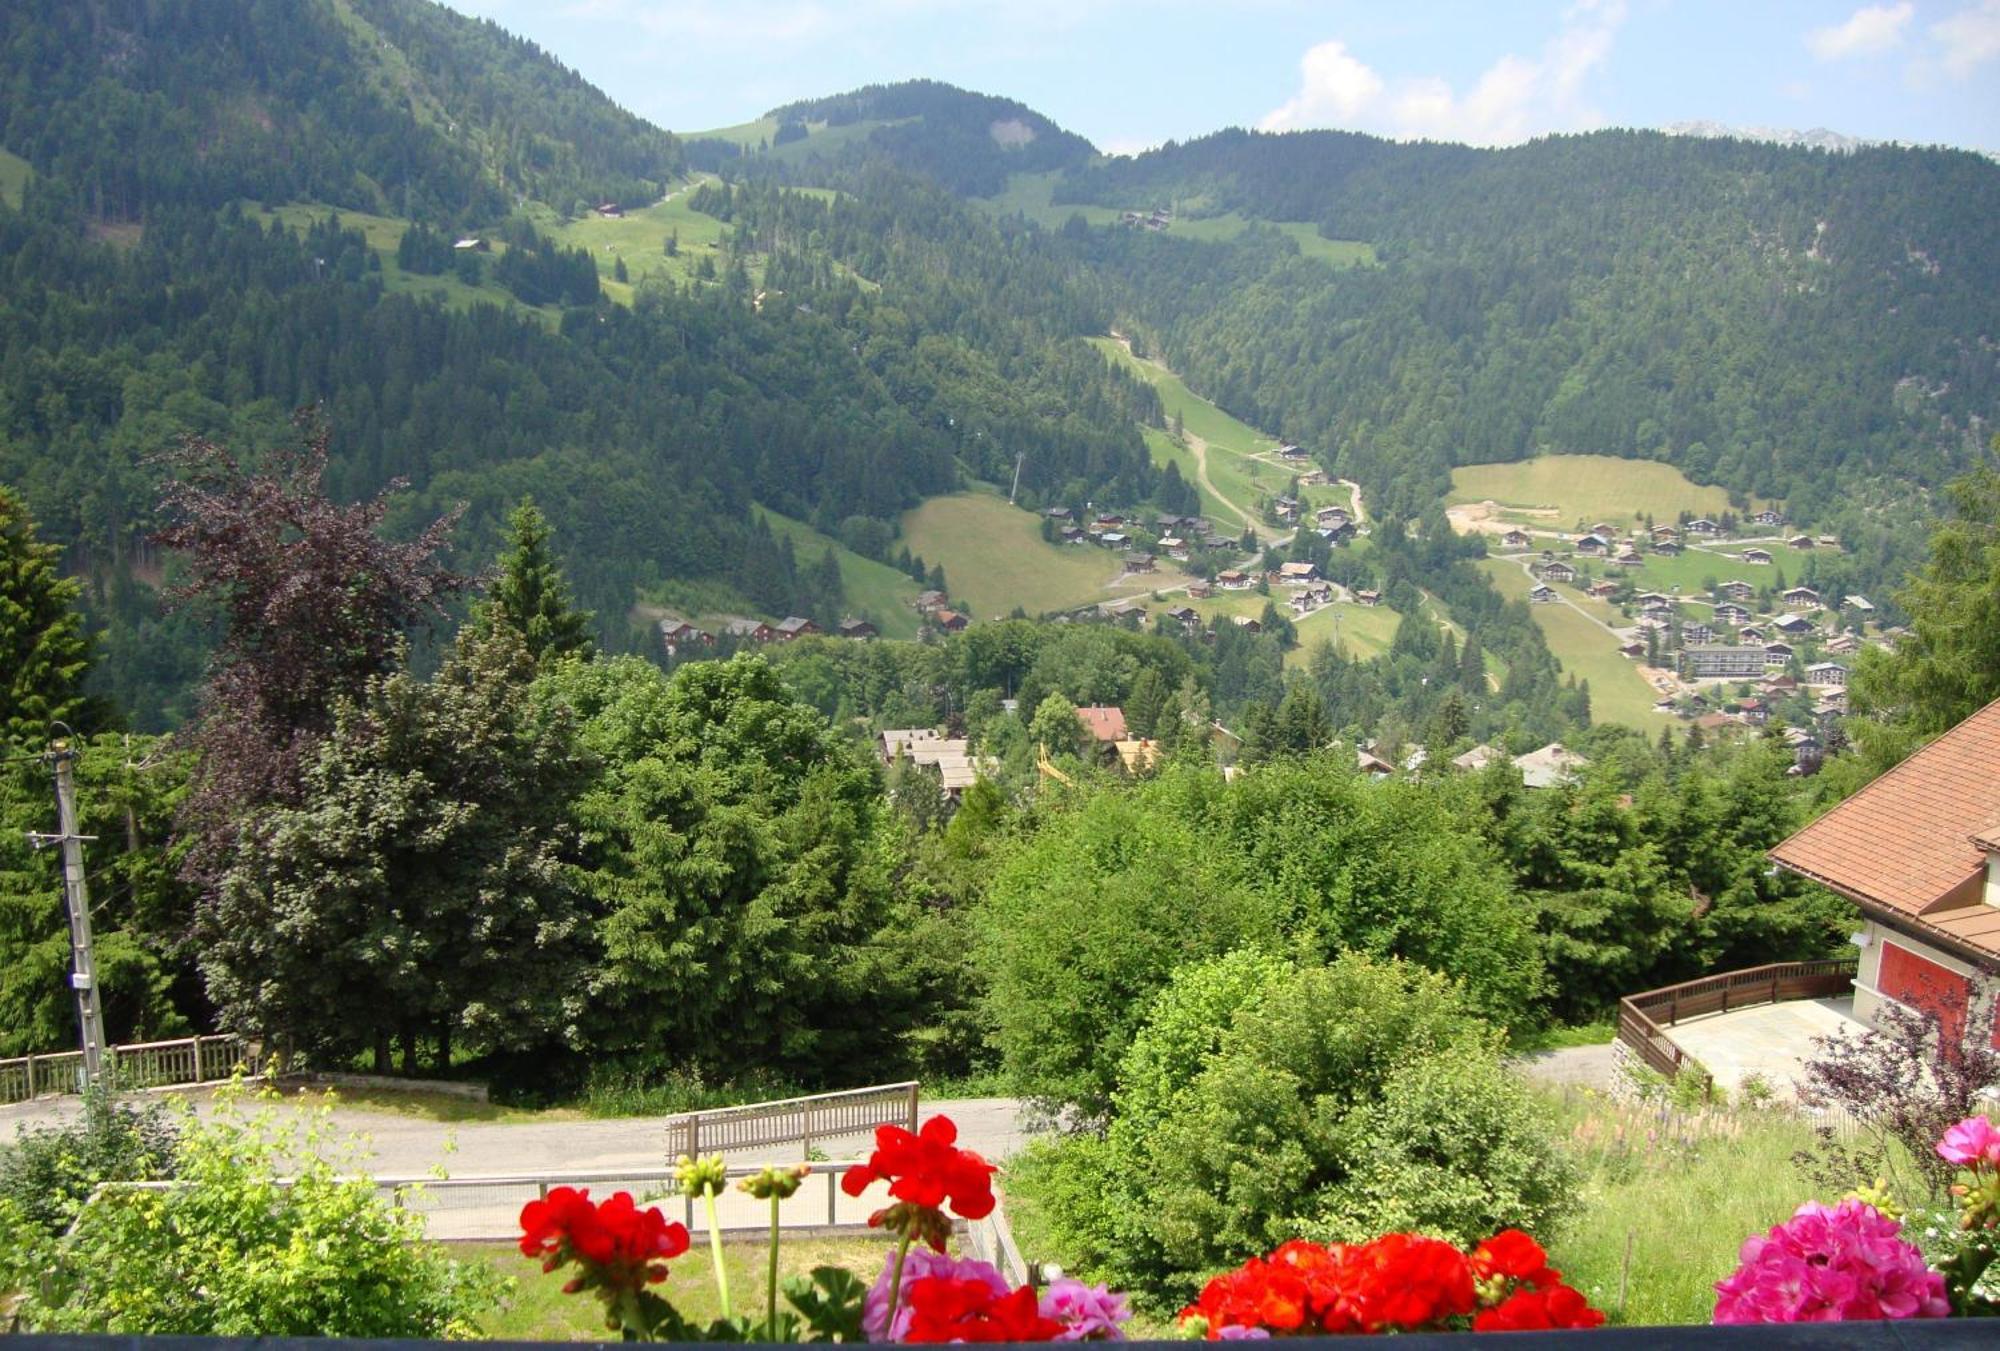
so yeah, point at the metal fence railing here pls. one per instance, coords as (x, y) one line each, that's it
(151, 1064)
(805, 1121)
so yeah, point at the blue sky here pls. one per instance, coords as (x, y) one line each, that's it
(1132, 73)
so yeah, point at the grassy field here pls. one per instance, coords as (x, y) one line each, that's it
(1167, 451)
(1668, 1199)
(1617, 692)
(639, 237)
(383, 234)
(877, 590)
(1364, 630)
(1335, 253)
(1032, 195)
(995, 558)
(1589, 488)
(14, 176)
(539, 1311)
(1232, 443)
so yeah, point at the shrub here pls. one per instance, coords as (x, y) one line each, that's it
(1263, 1101)
(229, 1251)
(50, 1172)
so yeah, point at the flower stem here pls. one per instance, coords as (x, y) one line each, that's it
(771, 1277)
(896, 1282)
(715, 1251)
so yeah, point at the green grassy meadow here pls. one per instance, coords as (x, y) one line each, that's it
(1589, 488)
(1032, 195)
(538, 1310)
(14, 176)
(1232, 443)
(1668, 1198)
(874, 589)
(383, 233)
(1364, 630)
(995, 558)
(639, 237)
(1617, 692)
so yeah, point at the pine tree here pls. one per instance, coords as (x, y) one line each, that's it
(41, 633)
(530, 596)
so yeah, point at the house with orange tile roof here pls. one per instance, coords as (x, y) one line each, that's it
(1918, 852)
(1105, 723)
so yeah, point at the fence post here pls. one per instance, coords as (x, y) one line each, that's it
(31, 1079)
(199, 1076)
(913, 1109)
(832, 1197)
(806, 1129)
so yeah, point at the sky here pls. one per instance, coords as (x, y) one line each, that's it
(1129, 74)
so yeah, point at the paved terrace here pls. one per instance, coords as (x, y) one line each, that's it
(1772, 1041)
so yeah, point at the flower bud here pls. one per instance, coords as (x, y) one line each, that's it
(775, 1182)
(701, 1177)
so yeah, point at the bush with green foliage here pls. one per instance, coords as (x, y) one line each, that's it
(48, 1173)
(1264, 1101)
(233, 1251)
(1088, 917)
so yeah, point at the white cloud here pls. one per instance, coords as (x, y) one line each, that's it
(1969, 38)
(1872, 28)
(1513, 99)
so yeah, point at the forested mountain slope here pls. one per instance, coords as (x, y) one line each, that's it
(395, 106)
(1783, 321)
(152, 292)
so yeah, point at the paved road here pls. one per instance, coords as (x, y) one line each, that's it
(392, 1145)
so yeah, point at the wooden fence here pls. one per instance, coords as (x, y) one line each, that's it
(805, 1121)
(151, 1064)
(1644, 1018)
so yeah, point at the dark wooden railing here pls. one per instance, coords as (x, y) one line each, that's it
(1644, 1018)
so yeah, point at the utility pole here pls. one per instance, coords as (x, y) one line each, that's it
(76, 900)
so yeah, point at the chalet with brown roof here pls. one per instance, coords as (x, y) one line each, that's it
(1515, 539)
(1804, 597)
(677, 633)
(951, 621)
(1918, 852)
(1800, 541)
(1297, 574)
(1104, 722)
(1603, 590)
(858, 628)
(747, 630)
(1558, 572)
(1737, 589)
(1200, 590)
(1543, 594)
(1232, 580)
(792, 626)
(1757, 557)
(1366, 597)
(1139, 563)
(1768, 517)
(1701, 525)
(927, 601)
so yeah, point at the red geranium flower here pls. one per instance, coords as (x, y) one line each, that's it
(1526, 1310)
(1409, 1281)
(623, 1245)
(944, 1309)
(1512, 1255)
(926, 1170)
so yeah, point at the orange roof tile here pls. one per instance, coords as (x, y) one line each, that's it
(1104, 723)
(1906, 841)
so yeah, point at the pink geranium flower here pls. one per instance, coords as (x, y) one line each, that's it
(1830, 1264)
(1971, 1142)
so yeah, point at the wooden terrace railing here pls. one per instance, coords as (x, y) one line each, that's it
(1644, 1018)
(151, 1064)
(806, 1121)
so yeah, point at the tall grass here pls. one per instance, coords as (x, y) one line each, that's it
(1669, 1196)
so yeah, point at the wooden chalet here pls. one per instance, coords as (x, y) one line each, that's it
(858, 628)
(1918, 853)
(950, 621)
(793, 626)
